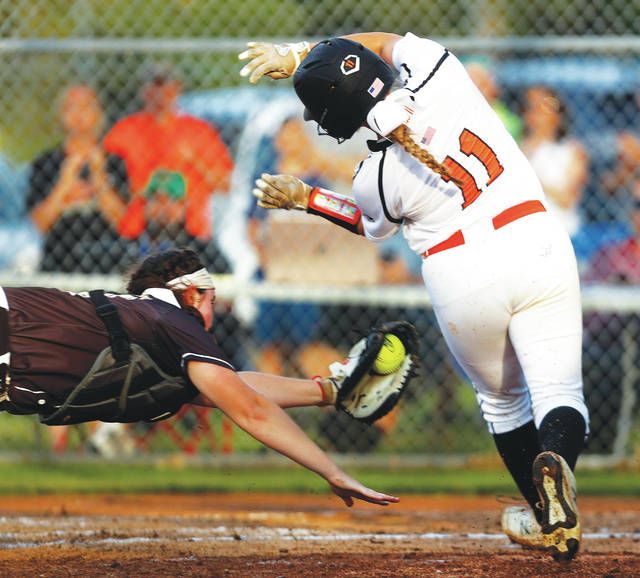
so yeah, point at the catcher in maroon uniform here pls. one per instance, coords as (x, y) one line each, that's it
(76, 357)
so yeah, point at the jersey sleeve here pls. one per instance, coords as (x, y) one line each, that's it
(417, 58)
(191, 342)
(377, 221)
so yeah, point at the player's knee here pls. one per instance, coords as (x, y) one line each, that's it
(505, 413)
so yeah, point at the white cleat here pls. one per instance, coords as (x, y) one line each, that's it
(520, 525)
(556, 486)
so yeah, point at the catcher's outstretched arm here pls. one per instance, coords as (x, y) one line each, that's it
(287, 391)
(288, 192)
(269, 424)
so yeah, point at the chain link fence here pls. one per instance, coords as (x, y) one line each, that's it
(563, 73)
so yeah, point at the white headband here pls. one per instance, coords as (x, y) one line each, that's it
(200, 279)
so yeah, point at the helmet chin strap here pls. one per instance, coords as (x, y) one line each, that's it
(324, 132)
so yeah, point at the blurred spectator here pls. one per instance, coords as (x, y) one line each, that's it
(77, 192)
(623, 181)
(286, 333)
(483, 76)
(20, 243)
(619, 262)
(610, 336)
(297, 154)
(76, 198)
(399, 265)
(175, 163)
(303, 338)
(559, 160)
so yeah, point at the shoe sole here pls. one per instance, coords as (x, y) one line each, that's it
(561, 532)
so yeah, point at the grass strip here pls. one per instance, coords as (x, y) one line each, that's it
(50, 477)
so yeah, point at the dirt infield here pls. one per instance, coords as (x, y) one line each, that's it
(230, 535)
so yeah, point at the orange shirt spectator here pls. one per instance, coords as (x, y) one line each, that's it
(174, 161)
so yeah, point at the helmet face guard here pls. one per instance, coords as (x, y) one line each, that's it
(339, 82)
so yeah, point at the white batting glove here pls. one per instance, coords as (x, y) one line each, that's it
(390, 113)
(274, 60)
(282, 192)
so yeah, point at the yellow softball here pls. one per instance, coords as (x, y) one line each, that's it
(390, 355)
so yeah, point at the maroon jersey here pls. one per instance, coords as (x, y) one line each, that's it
(55, 336)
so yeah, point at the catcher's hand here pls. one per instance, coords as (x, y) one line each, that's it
(281, 192)
(357, 389)
(274, 60)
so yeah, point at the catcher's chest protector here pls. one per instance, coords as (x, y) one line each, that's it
(123, 385)
(136, 390)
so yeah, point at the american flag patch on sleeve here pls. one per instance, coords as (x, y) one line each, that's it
(376, 86)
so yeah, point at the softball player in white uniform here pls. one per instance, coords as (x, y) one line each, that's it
(499, 268)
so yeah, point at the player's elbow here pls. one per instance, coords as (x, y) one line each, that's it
(253, 413)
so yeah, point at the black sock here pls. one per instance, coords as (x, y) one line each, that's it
(562, 431)
(518, 449)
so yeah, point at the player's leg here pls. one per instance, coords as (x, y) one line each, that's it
(475, 290)
(562, 421)
(482, 347)
(548, 340)
(493, 368)
(546, 332)
(471, 289)
(518, 449)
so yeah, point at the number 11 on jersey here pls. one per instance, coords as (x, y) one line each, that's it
(472, 145)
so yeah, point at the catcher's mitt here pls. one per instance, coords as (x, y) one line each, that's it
(361, 392)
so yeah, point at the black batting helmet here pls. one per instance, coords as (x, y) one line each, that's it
(339, 82)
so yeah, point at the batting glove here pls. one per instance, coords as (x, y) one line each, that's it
(281, 192)
(274, 60)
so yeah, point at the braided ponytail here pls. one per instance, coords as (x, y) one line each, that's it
(402, 136)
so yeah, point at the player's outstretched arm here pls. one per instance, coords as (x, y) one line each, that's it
(381, 43)
(289, 392)
(269, 424)
(282, 60)
(288, 192)
(366, 385)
